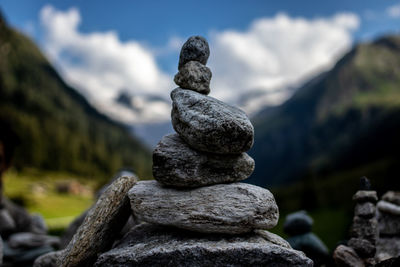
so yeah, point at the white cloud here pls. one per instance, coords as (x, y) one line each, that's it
(274, 53)
(100, 64)
(393, 11)
(271, 55)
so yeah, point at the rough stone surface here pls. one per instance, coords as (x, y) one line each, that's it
(48, 260)
(298, 223)
(31, 240)
(176, 164)
(365, 228)
(150, 245)
(365, 210)
(223, 208)
(346, 257)
(194, 76)
(387, 247)
(194, 49)
(101, 225)
(273, 238)
(363, 247)
(388, 224)
(71, 230)
(364, 196)
(210, 125)
(392, 197)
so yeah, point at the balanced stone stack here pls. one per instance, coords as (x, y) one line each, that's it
(388, 214)
(196, 213)
(364, 231)
(298, 226)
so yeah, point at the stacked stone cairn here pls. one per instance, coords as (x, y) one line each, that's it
(388, 215)
(195, 213)
(298, 226)
(361, 248)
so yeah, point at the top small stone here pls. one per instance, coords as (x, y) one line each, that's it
(195, 49)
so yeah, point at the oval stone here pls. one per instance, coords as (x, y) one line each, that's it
(194, 49)
(224, 208)
(176, 164)
(210, 125)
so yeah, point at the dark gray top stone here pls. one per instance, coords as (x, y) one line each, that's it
(150, 245)
(194, 49)
(176, 164)
(210, 125)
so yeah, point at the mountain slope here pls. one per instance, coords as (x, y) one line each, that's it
(343, 123)
(58, 128)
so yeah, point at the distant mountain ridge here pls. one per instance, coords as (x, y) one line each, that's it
(343, 122)
(58, 128)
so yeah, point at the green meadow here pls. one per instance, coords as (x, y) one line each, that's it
(37, 192)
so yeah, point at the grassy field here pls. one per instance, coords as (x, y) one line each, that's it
(37, 192)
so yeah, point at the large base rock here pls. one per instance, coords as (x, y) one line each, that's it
(176, 164)
(149, 245)
(210, 125)
(223, 208)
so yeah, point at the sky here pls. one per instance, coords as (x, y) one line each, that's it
(260, 50)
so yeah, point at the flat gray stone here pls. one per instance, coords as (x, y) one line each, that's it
(365, 210)
(194, 76)
(210, 125)
(363, 247)
(32, 240)
(194, 49)
(150, 245)
(101, 226)
(48, 260)
(365, 196)
(223, 208)
(389, 208)
(346, 256)
(392, 197)
(176, 164)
